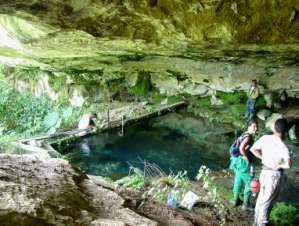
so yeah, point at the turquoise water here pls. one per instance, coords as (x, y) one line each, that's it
(111, 154)
(173, 142)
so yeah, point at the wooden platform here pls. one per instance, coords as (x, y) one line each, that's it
(114, 122)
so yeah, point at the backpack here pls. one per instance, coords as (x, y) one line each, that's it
(234, 149)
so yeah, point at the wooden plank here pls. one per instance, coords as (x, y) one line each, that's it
(114, 123)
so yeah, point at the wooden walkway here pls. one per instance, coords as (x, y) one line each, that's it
(119, 121)
(124, 120)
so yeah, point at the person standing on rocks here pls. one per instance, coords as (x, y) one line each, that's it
(240, 164)
(252, 94)
(276, 157)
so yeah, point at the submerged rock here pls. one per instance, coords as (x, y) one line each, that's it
(51, 192)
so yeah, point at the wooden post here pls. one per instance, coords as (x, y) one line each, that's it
(122, 125)
(108, 118)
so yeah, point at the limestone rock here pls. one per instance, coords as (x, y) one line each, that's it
(263, 114)
(292, 114)
(107, 222)
(164, 101)
(105, 42)
(294, 132)
(285, 78)
(166, 85)
(269, 99)
(215, 101)
(277, 106)
(76, 99)
(179, 223)
(50, 192)
(271, 120)
(196, 89)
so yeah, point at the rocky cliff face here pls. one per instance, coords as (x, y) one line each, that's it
(159, 21)
(74, 47)
(37, 191)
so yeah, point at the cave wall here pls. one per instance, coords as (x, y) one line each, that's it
(83, 49)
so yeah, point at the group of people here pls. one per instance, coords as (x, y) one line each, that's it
(274, 154)
(275, 157)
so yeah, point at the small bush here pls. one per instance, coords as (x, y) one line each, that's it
(284, 215)
(22, 112)
(160, 188)
(260, 102)
(25, 114)
(143, 85)
(134, 181)
(232, 98)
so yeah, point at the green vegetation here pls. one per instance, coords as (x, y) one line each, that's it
(260, 103)
(202, 102)
(230, 112)
(161, 188)
(143, 85)
(213, 195)
(284, 215)
(62, 118)
(23, 114)
(232, 98)
(134, 181)
(158, 188)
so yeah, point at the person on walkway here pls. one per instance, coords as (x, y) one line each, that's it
(252, 94)
(276, 157)
(88, 121)
(240, 164)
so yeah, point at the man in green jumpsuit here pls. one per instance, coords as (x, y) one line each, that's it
(241, 166)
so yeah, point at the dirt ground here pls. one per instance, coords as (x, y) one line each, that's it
(203, 213)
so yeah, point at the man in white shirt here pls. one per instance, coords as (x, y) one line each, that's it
(275, 156)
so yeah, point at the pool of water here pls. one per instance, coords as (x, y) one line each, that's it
(155, 141)
(174, 142)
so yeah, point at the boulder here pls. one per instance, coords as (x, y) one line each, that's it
(263, 114)
(269, 99)
(215, 101)
(271, 120)
(277, 106)
(196, 89)
(107, 222)
(50, 191)
(294, 132)
(291, 113)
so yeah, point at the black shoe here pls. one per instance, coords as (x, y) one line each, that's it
(236, 202)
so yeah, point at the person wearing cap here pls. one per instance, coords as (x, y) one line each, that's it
(88, 121)
(252, 95)
(240, 164)
(275, 156)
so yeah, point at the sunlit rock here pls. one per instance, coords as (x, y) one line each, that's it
(76, 99)
(215, 101)
(50, 192)
(294, 132)
(271, 120)
(263, 114)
